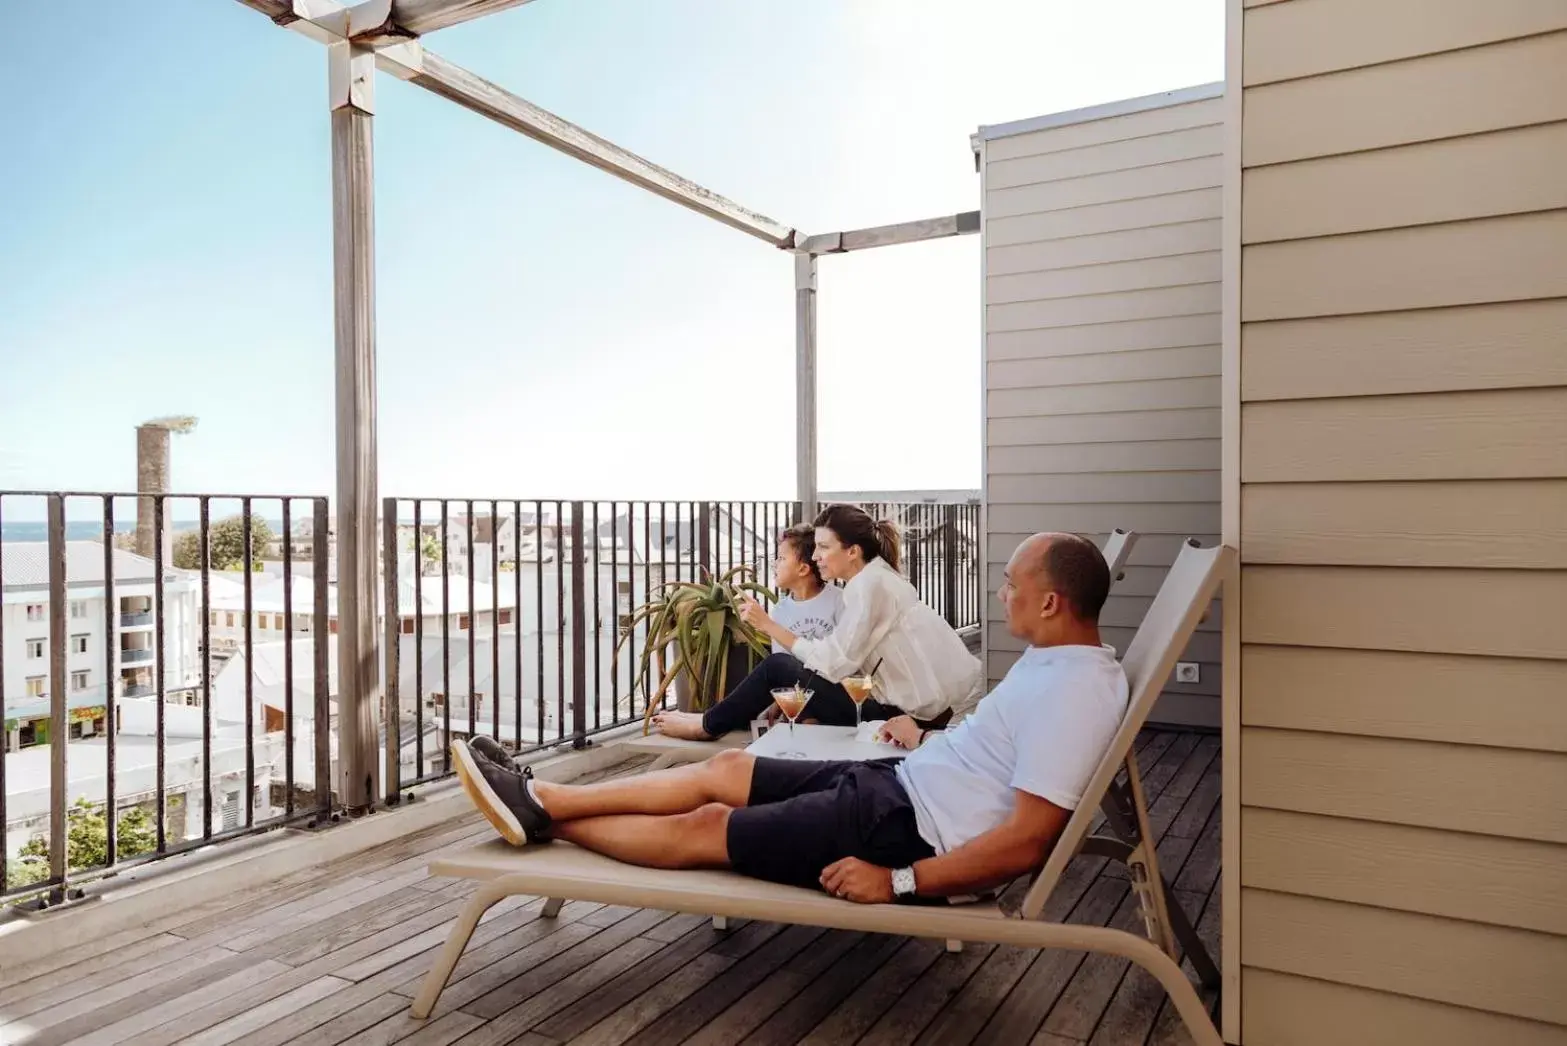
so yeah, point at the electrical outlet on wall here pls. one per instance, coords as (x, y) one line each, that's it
(1188, 672)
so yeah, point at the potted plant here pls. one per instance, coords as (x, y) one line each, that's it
(696, 641)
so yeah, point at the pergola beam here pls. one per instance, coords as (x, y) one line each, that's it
(327, 21)
(888, 235)
(426, 16)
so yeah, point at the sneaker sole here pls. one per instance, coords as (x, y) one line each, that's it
(484, 797)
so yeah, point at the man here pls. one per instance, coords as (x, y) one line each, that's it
(967, 811)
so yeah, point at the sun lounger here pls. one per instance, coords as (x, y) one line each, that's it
(1117, 550)
(560, 871)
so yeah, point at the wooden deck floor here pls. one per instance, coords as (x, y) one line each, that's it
(334, 955)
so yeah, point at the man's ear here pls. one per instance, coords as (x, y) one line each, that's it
(1051, 606)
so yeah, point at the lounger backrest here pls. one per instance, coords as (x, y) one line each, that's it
(1117, 550)
(1165, 630)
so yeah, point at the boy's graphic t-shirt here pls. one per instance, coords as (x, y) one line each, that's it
(809, 618)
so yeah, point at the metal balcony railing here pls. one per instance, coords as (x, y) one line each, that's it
(146, 797)
(534, 641)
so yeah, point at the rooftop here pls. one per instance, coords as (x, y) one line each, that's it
(334, 955)
(25, 564)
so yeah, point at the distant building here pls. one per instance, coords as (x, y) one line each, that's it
(93, 677)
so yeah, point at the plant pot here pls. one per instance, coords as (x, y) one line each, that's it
(741, 662)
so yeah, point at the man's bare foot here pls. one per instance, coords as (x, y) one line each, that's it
(685, 725)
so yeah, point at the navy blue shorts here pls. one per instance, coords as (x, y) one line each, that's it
(803, 815)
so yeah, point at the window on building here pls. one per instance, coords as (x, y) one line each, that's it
(78, 644)
(462, 622)
(75, 731)
(408, 626)
(78, 609)
(35, 649)
(277, 622)
(35, 686)
(27, 735)
(228, 620)
(81, 680)
(505, 617)
(212, 618)
(35, 611)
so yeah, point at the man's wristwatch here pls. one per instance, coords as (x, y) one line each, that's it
(902, 883)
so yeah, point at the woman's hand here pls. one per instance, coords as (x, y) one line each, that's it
(755, 615)
(902, 731)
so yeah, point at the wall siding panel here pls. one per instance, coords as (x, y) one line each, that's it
(1401, 704)
(1101, 242)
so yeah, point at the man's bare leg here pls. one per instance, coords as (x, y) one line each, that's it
(696, 839)
(724, 779)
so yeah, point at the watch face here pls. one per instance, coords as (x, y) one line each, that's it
(903, 881)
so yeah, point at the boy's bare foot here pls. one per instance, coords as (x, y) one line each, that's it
(685, 725)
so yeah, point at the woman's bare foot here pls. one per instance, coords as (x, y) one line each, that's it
(685, 725)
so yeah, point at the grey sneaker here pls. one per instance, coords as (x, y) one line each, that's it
(501, 795)
(495, 752)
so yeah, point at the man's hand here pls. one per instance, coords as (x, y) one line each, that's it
(902, 731)
(858, 881)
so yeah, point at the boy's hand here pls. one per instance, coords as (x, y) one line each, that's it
(902, 731)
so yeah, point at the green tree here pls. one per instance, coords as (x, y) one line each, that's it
(429, 549)
(86, 841)
(225, 544)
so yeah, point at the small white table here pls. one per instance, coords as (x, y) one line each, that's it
(822, 742)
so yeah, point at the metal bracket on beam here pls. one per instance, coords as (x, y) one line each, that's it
(804, 272)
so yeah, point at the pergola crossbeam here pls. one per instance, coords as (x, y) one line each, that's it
(888, 235)
(426, 16)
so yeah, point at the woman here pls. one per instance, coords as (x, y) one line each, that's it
(921, 666)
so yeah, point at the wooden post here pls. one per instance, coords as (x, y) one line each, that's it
(351, 73)
(805, 382)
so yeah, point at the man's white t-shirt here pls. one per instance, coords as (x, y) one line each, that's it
(809, 618)
(1043, 729)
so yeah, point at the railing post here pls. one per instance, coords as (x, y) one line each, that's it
(323, 688)
(704, 535)
(58, 797)
(805, 381)
(579, 639)
(949, 564)
(391, 706)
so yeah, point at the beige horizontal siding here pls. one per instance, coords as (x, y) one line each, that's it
(1508, 345)
(1146, 456)
(1478, 176)
(1188, 361)
(1108, 397)
(1160, 332)
(1145, 518)
(1473, 700)
(1511, 258)
(1463, 788)
(1503, 970)
(1120, 611)
(1073, 488)
(1142, 212)
(1403, 523)
(1451, 435)
(1287, 41)
(1173, 177)
(1144, 274)
(1284, 1010)
(1499, 613)
(1102, 308)
(1106, 157)
(1511, 84)
(1139, 580)
(1501, 702)
(1148, 123)
(1511, 524)
(1159, 241)
(1121, 426)
(1504, 882)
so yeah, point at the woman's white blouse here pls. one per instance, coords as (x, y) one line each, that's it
(925, 667)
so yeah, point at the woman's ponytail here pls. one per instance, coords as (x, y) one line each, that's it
(891, 542)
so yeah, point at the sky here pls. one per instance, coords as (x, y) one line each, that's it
(543, 330)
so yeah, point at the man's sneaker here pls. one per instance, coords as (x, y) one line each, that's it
(491, 749)
(501, 794)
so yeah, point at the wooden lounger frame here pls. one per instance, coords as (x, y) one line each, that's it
(560, 871)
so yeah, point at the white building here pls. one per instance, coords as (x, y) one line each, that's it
(109, 649)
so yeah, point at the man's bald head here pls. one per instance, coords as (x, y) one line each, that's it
(1051, 577)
